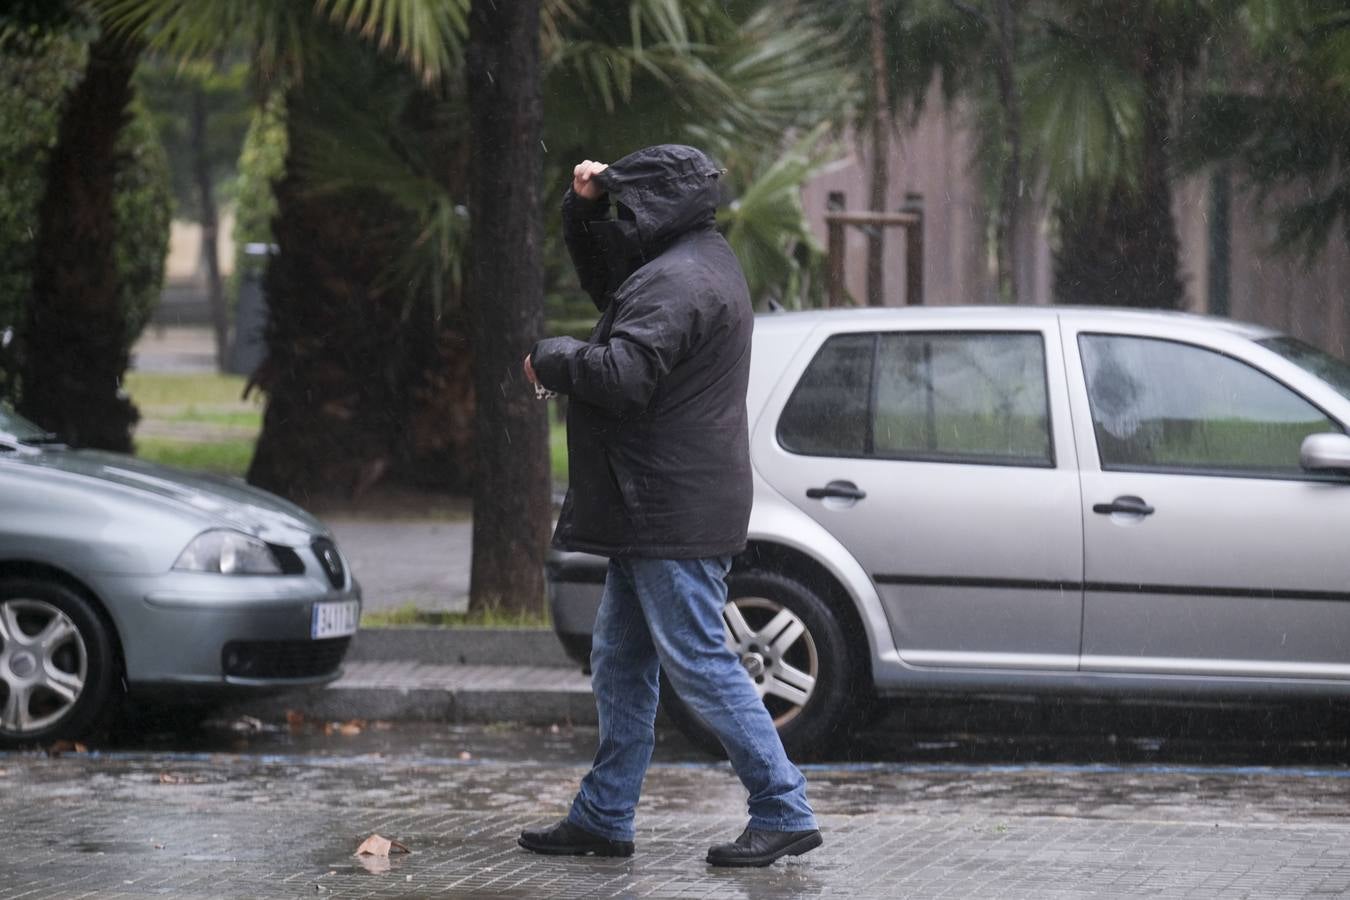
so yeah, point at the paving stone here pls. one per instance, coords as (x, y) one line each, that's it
(218, 825)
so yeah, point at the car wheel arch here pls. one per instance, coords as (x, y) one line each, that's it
(45, 572)
(815, 576)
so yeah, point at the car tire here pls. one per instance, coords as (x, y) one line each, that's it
(808, 729)
(65, 689)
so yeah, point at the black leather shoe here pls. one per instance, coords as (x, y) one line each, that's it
(760, 848)
(566, 839)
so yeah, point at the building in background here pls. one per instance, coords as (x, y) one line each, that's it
(1241, 276)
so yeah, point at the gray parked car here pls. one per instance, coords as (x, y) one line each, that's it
(114, 572)
(1030, 499)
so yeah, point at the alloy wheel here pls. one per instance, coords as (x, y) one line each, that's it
(776, 648)
(43, 665)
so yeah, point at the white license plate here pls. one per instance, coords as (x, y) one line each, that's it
(335, 619)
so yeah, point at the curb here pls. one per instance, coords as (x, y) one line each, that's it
(460, 646)
(542, 702)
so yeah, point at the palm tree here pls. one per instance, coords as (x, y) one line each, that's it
(75, 351)
(1099, 116)
(1281, 112)
(336, 357)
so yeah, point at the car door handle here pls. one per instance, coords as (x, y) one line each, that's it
(845, 490)
(1129, 505)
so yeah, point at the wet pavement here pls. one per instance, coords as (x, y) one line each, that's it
(970, 799)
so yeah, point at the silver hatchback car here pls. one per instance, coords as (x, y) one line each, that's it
(1017, 499)
(115, 571)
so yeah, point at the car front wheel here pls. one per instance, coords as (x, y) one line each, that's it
(790, 644)
(57, 666)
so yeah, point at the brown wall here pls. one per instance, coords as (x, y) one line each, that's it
(933, 158)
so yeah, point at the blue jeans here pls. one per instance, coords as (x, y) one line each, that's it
(667, 614)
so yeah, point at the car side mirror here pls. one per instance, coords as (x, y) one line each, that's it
(1326, 453)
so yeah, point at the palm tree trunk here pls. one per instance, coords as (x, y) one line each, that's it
(363, 384)
(1010, 187)
(206, 197)
(75, 350)
(880, 181)
(511, 508)
(1124, 251)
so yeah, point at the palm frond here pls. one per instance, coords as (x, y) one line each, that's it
(1084, 114)
(767, 228)
(430, 34)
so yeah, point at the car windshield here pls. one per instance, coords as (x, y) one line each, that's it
(1333, 371)
(16, 426)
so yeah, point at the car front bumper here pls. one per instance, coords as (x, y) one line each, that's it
(191, 629)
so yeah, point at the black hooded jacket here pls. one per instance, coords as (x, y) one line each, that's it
(657, 432)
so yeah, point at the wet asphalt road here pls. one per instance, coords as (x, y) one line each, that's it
(961, 799)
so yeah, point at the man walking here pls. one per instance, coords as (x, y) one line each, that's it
(660, 483)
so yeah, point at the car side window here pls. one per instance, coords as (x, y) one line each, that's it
(1160, 405)
(827, 414)
(962, 397)
(977, 397)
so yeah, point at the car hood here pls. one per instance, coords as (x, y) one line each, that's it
(226, 502)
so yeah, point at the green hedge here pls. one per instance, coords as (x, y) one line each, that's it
(36, 70)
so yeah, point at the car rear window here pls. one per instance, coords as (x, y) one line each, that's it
(973, 397)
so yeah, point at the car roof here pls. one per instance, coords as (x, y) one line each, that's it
(1101, 316)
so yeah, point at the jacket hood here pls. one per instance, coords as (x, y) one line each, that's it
(671, 189)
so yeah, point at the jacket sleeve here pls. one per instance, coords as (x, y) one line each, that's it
(652, 332)
(587, 256)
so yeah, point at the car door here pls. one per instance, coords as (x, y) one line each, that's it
(1208, 550)
(932, 456)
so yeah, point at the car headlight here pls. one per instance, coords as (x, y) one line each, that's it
(228, 553)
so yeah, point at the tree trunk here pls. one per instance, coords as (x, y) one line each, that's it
(876, 234)
(75, 350)
(363, 384)
(1124, 251)
(206, 196)
(1010, 179)
(511, 504)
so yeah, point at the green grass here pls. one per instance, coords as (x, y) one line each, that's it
(151, 389)
(205, 398)
(224, 417)
(557, 451)
(212, 399)
(229, 457)
(408, 615)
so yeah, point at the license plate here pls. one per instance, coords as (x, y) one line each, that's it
(335, 619)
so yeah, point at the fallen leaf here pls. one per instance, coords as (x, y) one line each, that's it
(465, 754)
(554, 729)
(169, 778)
(375, 845)
(295, 720)
(81, 748)
(352, 728)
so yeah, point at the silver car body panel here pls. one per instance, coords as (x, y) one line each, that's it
(1004, 580)
(116, 525)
